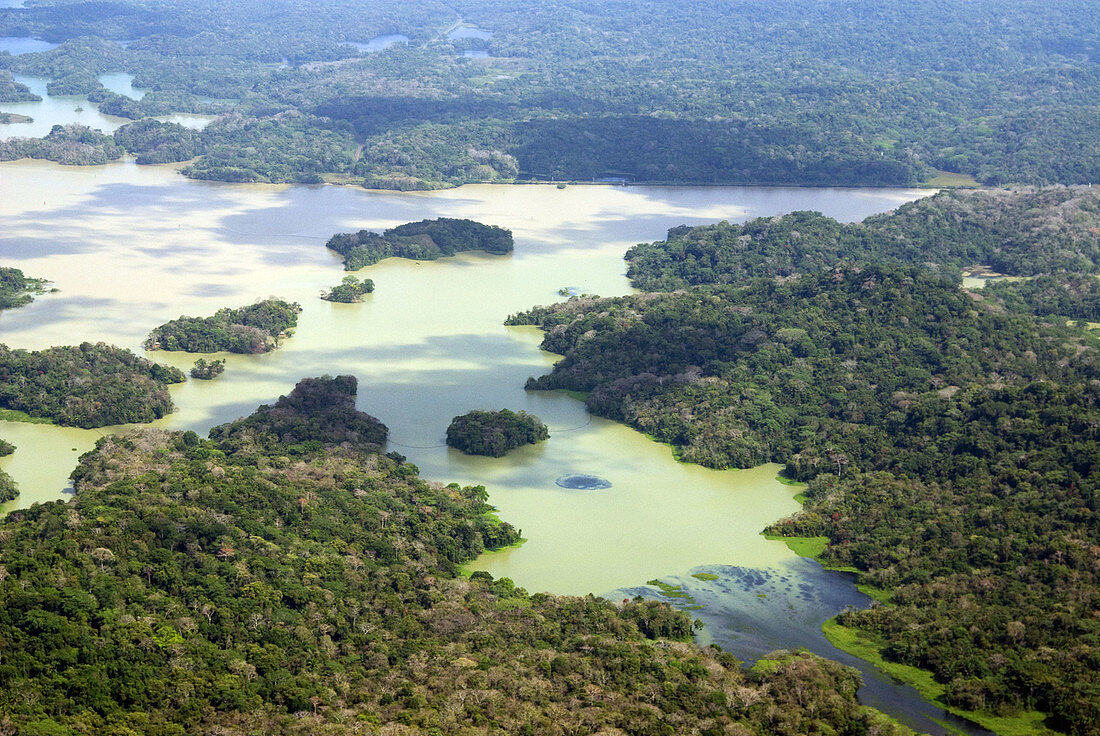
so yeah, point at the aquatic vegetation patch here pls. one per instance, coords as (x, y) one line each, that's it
(583, 482)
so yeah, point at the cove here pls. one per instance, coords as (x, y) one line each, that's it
(54, 110)
(131, 247)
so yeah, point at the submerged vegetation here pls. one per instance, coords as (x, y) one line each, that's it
(260, 582)
(85, 385)
(256, 328)
(426, 240)
(495, 433)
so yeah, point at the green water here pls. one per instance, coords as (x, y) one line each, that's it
(130, 247)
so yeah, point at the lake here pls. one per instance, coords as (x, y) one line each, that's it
(378, 43)
(131, 247)
(54, 110)
(16, 45)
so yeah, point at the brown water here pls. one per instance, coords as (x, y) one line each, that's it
(130, 247)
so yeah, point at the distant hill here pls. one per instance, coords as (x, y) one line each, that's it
(1019, 232)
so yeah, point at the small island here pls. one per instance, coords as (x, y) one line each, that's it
(249, 330)
(88, 385)
(494, 433)
(204, 371)
(349, 291)
(426, 240)
(17, 290)
(8, 118)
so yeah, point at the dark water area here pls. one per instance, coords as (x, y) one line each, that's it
(750, 612)
(582, 482)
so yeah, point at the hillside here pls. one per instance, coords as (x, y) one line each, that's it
(1019, 232)
(950, 445)
(249, 583)
(780, 93)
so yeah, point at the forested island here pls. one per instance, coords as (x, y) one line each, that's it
(764, 93)
(286, 577)
(206, 371)
(256, 328)
(88, 385)
(349, 291)
(426, 240)
(495, 433)
(16, 290)
(8, 489)
(948, 436)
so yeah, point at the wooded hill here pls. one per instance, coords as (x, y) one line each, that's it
(1019, 232)
(287, 578)
(738, 92)
(85, 385)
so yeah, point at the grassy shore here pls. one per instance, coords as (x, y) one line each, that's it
(865, 646)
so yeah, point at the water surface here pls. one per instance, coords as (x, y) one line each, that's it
(378, 43)
(122, 83)
(55, 110)
(753, 611)
(16, 45)
(131, 247)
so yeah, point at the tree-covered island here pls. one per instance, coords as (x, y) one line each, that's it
(206, 371)
(17, 290)
(349, 291)
(285, 577)
(88, 385)
(425, 240)
(495, 433)
(1021, 232)
(256, 328)
(8, 489)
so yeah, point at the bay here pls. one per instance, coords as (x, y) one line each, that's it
(130, 247)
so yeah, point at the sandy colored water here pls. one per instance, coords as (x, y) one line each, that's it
(130, 247)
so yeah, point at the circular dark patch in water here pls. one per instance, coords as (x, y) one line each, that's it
(583, 482)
